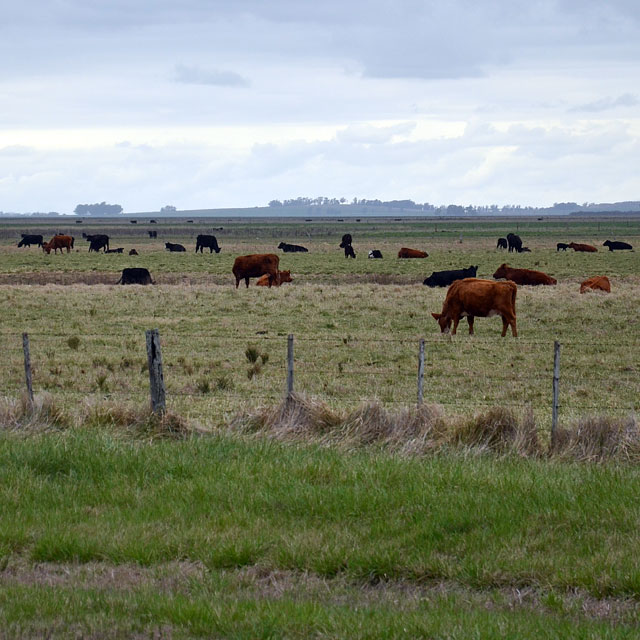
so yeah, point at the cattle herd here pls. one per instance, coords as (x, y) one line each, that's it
(467, 295)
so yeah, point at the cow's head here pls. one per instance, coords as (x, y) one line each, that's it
(443, 321)
(284, 276)
(47, 247)
(501, 271)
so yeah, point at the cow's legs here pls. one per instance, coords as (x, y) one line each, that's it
(246, 281)
(455, 326)
(470, 320)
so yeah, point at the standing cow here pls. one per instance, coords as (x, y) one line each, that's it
(502, 243)
(97, 241)
(207, 241)
(31, 238)
(255, 265)
(514, 242)
(59, 242)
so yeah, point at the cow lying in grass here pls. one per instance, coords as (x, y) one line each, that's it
(281, 278)
(523, 276)
(596, 283)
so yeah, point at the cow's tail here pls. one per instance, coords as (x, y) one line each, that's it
(120, 281)
(72, 241)
(514, 292)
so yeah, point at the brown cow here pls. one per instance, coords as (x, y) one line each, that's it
(58, 242)
(281, 277)
(597, 283)
(412, 253)
(253, 266)
(582, 247)
(523, 276)
(473, 297)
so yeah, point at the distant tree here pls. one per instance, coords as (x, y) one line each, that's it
(98, 209)
(169, 208)
(275, 203)
(455, 210)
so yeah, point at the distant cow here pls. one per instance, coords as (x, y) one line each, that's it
(118, 250)
(281, 278)
(473, 298)
(133, 252)
(587, 248)
(170, 246)
(561, 246)
(59, 242)
(514, 242)
(255, 265)
(135, 275)
(412, 253)
(28, 239)
(445, 278)
(596, 283)
(292, 248)
(153, 234)
(97, 241)
(617, 246)
(349, 252)
(523, 276)
(375, 253)
(502, 243)
(207, 241)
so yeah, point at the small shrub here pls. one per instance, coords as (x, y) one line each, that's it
(252, 354)
(254, 370)
(101, 382)
(73, 342)
(203, 386)
(264, 357)
(224, 383)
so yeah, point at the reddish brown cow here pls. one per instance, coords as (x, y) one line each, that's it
(412, 253)
(281, 277)
(58, 242)
(253, 266)
(582, 247)
(473, 297)
(597, 283)
(523, 276)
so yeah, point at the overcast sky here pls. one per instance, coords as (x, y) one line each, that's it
(225, 103)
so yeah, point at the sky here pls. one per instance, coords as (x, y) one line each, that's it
(232, 103)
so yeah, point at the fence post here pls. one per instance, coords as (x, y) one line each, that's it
(27, 367)
(420, 371)
(290, 365)
(556, 380)
(156, 378)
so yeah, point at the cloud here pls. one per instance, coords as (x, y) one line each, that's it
(606, 104)
(214, 77)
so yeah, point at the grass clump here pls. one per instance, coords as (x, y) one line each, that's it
(73, 343)
(43, 413)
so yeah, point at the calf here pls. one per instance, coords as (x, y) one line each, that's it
(210, 242)
(170, 246)
(473, 298)
(523, 276)
(29, 239)
(118, 250)
(502, 243)
(615, 245)
(445, 278)
(596, 283)
(133, 252)
(412, 253)
(135, 275)
(561, 246)
(292, 248)
(281, 278)
(587, 248)
(255, 265)
(375, 253)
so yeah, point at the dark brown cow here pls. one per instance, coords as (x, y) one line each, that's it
(281, 278)
(253, 266)
(596, 283)
(523, 276)
(412, 253)
(59, 242)
(473, 297)
(582, 247)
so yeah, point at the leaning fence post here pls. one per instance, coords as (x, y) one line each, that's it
(420, 371)
(27, 367)
(556, 380)
(290, 365)
(156, 378)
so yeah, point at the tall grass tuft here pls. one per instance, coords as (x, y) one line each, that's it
(44, 413)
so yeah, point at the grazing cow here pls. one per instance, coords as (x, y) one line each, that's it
(292, 248)
(29, 239)
(97, 241)
(281, 278)
(514, 242)
(523, 276)
(561, 246)
(587, 248)
(207, 241)
(59, 242)
(135, 275)
(170, 246)
(473, 298)
(118, 250)
(412, 253)
(153, 234)
(596, 283)
(445, 278)
(253, 266)
(502, 243)
(133, 252)
(617, 246)
(375, 253)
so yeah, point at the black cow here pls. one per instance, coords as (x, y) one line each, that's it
(514, 242)
(349, 252)
(133, 252)
(31, 238)
(445, 278)
(118, 250)
(375, 253)
(502, 243)
(524, 250)
(207, 241)
(292, 248)
(346, 240)
(135, 275)
(561, 246)
(617, 246)
(170, 246)
(97, 241)
(153, 234)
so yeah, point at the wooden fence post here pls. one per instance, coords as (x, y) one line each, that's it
(156, 378)
(556, 380)
(27, 367)
(420, 371)
(290, 365)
